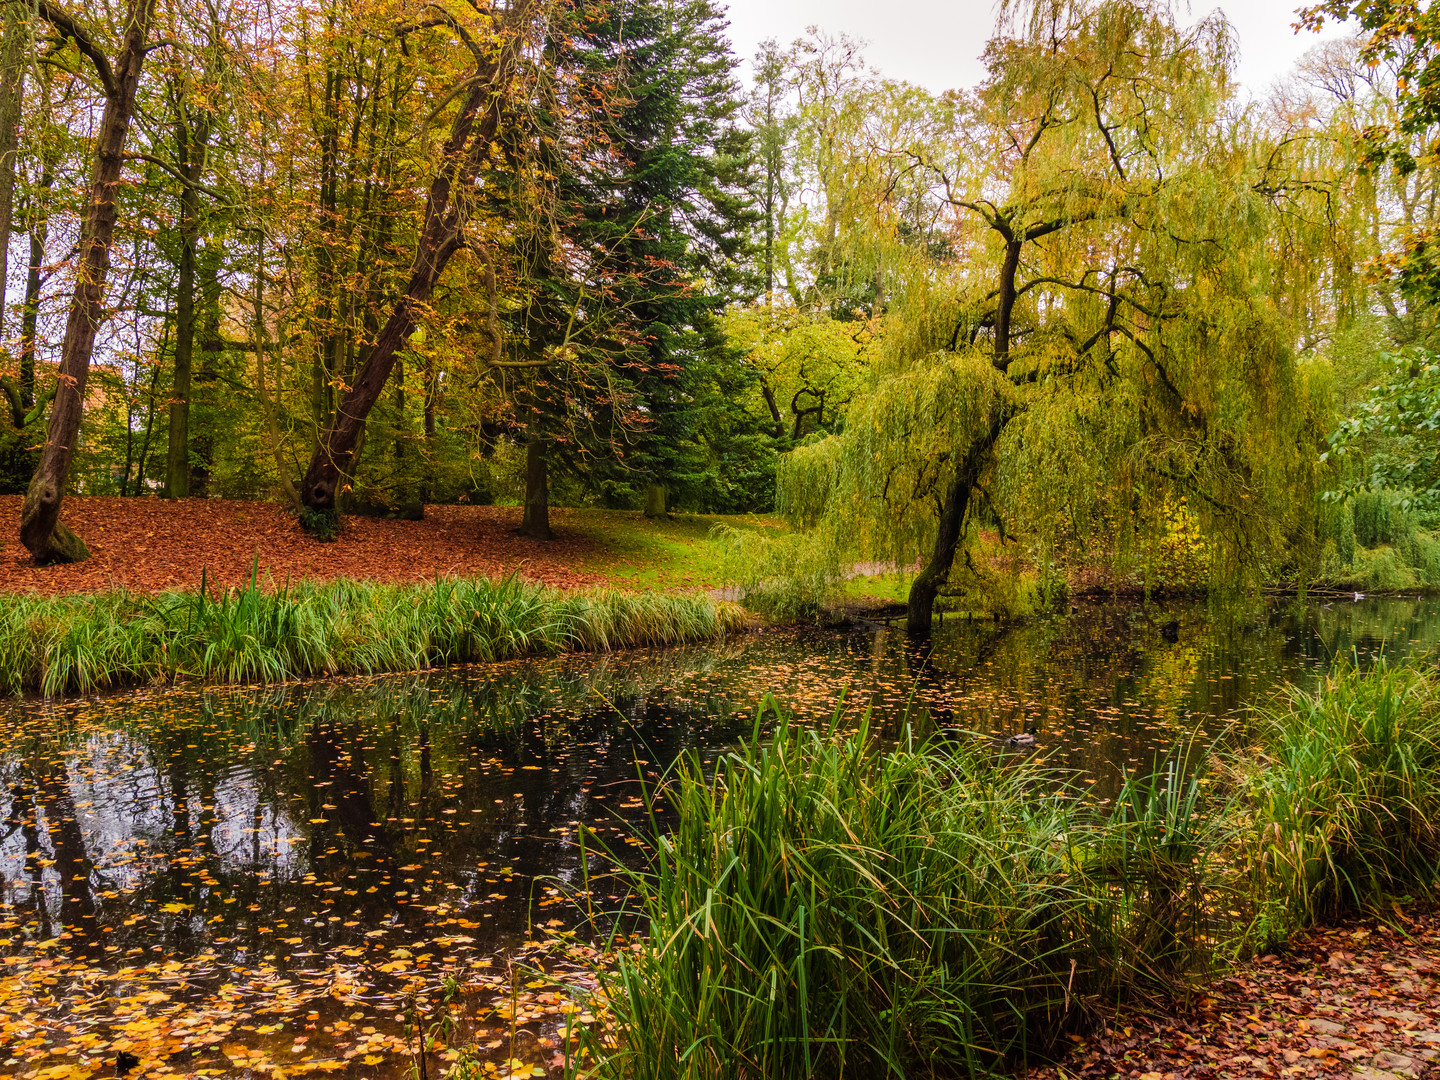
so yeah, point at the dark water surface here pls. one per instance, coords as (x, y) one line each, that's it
(253, 880)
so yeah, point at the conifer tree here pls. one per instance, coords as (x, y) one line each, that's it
(680, 223)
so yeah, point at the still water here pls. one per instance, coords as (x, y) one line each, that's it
(256, 880)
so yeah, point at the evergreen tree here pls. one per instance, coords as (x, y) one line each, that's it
(679, 221)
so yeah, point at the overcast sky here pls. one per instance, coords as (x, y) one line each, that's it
(937, 43)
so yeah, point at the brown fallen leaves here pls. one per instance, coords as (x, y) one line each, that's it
(147, 545)
(1360, 1000)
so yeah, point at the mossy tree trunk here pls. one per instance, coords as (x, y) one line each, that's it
(654, 500)
(40, 529)
(536, 522)
(190, 143)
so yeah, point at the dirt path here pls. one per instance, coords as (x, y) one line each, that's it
(146, 545)
(1360, 1000)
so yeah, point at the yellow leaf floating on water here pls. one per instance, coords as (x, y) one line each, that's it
(61, 1072)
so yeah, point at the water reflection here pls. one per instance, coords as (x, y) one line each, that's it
(316, 829)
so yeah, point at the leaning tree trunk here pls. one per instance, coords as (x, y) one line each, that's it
(40, 528)
(536, 522)
(920, 604)
(467, 148)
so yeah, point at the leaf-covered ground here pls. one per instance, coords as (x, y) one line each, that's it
(145, 545)
(1359, 1000)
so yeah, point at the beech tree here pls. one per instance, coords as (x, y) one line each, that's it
(483, 97)
(41, 530)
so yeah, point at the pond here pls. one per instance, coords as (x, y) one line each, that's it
(261, 880)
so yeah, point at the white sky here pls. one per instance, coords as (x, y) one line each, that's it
(937, 43)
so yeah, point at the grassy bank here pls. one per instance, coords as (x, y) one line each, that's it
(823, 907)
(78, 644)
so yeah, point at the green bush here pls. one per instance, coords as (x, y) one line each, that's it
(1382, 570)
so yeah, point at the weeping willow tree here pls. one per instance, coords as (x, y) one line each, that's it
(1099, 337)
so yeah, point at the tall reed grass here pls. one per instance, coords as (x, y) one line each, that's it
(823, 905)
(79, 644)
(1341, 797)
(824, 908)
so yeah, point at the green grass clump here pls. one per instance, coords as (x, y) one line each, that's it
(822, 908)
(1343, 797)
(824, 905)
(79, 644)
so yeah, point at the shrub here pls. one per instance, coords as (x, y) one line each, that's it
(1381, 569)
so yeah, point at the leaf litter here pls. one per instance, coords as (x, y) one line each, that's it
(149, 545)
(1357, 999)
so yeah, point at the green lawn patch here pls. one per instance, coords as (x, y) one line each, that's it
(670, 553)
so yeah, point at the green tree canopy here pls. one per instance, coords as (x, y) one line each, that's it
(1100, 338)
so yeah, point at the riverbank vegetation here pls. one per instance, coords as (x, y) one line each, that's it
(824, 905)
(80, 644)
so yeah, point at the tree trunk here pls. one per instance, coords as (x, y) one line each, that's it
(12, 81)
(190, 154)
(654, 500)
(536, 523)
(920, 604)
(40, 529)
(177, 457)
(30, 314)
(1005, 304)
(427, 484)
(202, 438)
(149, 431)
(30, 311)
(261, 335)
(467, 148)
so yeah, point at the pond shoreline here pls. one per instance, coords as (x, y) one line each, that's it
(67, 645)
(340, 837)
